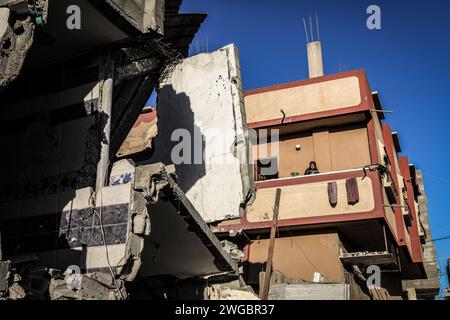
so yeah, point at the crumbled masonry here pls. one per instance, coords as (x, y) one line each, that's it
(201, 196)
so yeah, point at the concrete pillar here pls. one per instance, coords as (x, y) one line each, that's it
(105, 110)
(315, 60)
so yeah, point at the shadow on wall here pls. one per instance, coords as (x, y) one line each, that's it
(52, 144)
(174, 119)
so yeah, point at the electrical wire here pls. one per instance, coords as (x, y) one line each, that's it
(439, 239)
(305, 255)
(100, 215)
(107, 252)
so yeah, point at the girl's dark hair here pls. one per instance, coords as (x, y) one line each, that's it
(313, 162)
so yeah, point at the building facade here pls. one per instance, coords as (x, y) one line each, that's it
(363, 208)
(69, 97)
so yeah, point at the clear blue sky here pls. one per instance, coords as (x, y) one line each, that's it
(408, 62)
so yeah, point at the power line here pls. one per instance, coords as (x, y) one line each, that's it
(305, 255)
(439, 239)
(436, 177)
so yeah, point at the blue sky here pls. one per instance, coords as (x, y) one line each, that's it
(407, 61)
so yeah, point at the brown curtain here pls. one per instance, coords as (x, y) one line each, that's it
(352, 191)
(332, 193)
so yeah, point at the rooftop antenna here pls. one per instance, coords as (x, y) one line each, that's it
(314, 48)
(197, 46)
(306, 30)
(318, 29)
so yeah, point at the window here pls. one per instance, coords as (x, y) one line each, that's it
(267, 169)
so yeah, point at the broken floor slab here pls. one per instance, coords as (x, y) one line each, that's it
(180, 243)
(140, 139)
(202, 130)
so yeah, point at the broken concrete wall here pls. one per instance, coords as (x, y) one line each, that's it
(52, 134)
(16, 36)
(50, 216)
(203, 98)
(140, 139)
(48, 209)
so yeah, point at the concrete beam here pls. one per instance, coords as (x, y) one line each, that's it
(136, 69)
(134, 16)
(105, 109)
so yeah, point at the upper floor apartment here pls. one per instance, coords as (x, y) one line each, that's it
(335, 121)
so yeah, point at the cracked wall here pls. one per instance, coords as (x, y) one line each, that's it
(16, 37)
(204, 98)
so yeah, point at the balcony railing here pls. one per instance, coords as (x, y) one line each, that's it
(318, 198)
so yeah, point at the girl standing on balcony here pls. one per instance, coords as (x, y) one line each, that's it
(312, 169)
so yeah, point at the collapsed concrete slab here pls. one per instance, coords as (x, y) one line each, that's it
(180, 244)
(140, 139)
(38, 28)
(202, 130)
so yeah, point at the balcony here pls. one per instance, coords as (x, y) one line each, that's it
(305, 200)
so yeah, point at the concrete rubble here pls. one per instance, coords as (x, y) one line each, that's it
(95, 286)
(150, 183)
(94, 228)
(230, 291)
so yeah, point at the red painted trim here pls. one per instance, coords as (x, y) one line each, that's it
(389, 144)
(376, 213)
(373, 145)
(366, 99)
(307, 117)
(416, 248)
(305, 82)
(148, 116)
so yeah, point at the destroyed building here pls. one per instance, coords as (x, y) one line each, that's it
(138, 198)
(77, 223)
(366, 209)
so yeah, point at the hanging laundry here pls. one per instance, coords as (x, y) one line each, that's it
(332, 193)
(352, 191)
